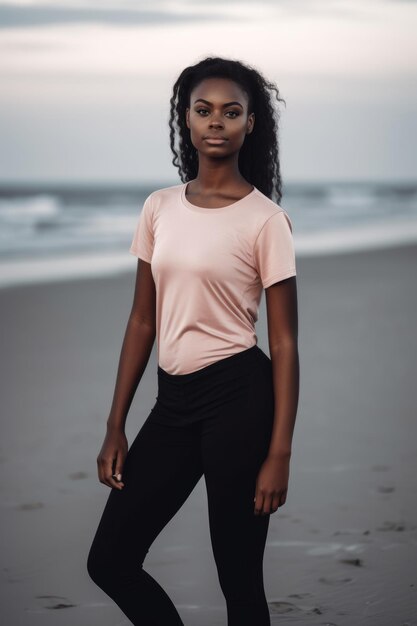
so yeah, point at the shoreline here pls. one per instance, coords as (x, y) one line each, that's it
(120, 265)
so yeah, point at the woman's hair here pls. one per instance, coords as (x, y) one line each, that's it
(259, 154)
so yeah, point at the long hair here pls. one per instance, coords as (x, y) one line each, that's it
(259, 155)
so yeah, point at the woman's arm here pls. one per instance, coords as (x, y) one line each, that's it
(137, 346)
(136, 349)
(282, 315)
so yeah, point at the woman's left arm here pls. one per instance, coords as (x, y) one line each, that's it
(282, 316)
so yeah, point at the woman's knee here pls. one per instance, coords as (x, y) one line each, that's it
(99, 568)
(107, 561)
(112, 560)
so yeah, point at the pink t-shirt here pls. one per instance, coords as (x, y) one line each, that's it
(209, 267)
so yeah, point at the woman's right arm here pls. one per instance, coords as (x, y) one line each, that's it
(136, 349)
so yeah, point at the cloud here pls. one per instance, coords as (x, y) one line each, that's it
(21, 16)
(23, 13)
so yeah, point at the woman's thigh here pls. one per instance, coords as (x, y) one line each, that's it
(162, 467)
(234, 444)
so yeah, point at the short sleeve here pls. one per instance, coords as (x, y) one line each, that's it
(143, 238)
(274, 253)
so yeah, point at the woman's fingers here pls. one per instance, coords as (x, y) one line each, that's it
(111, 459)
(267, 504)
(106, 473)
(258, 499)
(260, 504)
(119, 485)
(275, 503)
(117, 475)
(283, 498)
(104, 469)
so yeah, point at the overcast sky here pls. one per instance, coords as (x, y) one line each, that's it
(85, 86)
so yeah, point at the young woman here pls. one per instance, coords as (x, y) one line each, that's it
(206, 249)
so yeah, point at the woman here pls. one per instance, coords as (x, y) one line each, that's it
(224, 409)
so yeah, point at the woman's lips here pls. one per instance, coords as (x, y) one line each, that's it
(215, 141)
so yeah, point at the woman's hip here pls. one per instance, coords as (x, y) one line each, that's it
(241, 382)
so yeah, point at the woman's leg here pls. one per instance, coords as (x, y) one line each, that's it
(161, 468)
(234, 445)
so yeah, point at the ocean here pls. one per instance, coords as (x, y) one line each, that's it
(59, 232)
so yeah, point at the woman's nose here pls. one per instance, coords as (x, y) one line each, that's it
(216, 123)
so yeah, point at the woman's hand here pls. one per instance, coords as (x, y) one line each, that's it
(272, 484)
(111, 458)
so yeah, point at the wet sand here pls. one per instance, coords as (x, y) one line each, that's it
(342, 551)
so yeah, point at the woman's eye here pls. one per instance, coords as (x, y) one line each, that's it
(234, 113)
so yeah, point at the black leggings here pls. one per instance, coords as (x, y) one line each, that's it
(216, 422)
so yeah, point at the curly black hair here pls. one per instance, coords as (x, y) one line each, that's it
(259, 155)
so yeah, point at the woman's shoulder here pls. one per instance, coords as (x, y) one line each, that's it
(159, 198)
(163, 193)
(267, 208)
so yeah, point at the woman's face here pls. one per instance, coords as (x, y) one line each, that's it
(218, 108)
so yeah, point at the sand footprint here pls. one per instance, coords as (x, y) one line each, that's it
(42, 607)
(30, 506)
(279, 607)
(380, 468)
(385, 489)
(335, 581)
(356, 562)
(397, 526)
(59, 605)
(78, 475)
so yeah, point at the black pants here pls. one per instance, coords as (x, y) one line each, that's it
(216, 422)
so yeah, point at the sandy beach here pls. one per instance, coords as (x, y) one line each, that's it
(341, 552)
